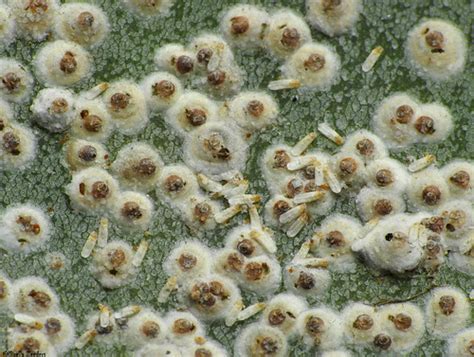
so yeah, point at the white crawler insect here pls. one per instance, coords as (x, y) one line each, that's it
(314, 65)
(161, 90)
(126, 105)
(93, 190)
(16, 82)
(85, 24)
(140, 253)
(103, 235)
(333, 17)
(320, 327)
(245, 25)
(25, 228)
(81, 154)
(91, 120)
(260, 340)
(33, 296)
(89, 245)
(437, 49)
(421, 163)
(283, 84)
(34, 19)
(330, 133)
(287, 32)
(372, 58)
(53, 109)
(62, 63)
(447, 311)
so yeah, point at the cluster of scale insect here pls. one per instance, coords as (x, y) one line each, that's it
(413, 215)
(38, 325)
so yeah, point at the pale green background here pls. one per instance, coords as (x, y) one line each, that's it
(128, 52)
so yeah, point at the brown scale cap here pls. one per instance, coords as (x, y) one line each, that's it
(246, 247)
(363, 322)
(201, 294)
(365, 147)
(255, 108)
(425, 125)
(329, 5)
(37, 6)
(59, 106)
(435, 40)
(281, 159)
(255, 271)
(294, 187)
(348, 166)
(216, 78)
(202, 212)
(446, 304)
(382, 341)
(28, 224)
(404, 114)
(239, 25)
(268, 346)
(401, 321)
(150, 329)
(384, 177)
(11, 81)
(308, 172)
(11, 143)
(305, 281)
(120, 101)
(3, 289)
(431, 195)
(100, 190)
(187, 261)
(290, 38)
(196, 116)
(85, 20)
(383, 207)
(164, 89)
(235, 262)
(183, 326)
(2, 124)
(202, 352)
(280, 207)
(335, 239)
(40, 298)
(434, 224)
(68, 63)
(92, 123)
(204, 55)
(116, 257)
(184, 64)
(31, 345)
(174, 183)
(145, 167)
(470, 347)
(87, 153)
(276, 317)
(131, 210)
(52, 326)
(461, 179)
(315, 326)
(315, 62)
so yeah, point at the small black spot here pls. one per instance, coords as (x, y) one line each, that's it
(389, 237)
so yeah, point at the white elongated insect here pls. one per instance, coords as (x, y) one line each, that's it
(297, 225)
(127, 312)
(302, 253)
(103, 235)
(330, 133)
(140, 253)
(303, 144)
(250, 311)
(300, 162)
(292, 214)
(104, 316)
(372, 58)
(231, 318)
(228, 213)
(422, 163)
(209, 185)
(308, 197)
(332, 180)
(245, 199)
(86, 337)
(96, 91)
(284, 84)
(28, 321)
(89, 245)
(170, 286)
